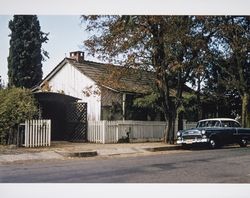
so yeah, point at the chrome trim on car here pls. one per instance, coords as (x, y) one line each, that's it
(192, 141)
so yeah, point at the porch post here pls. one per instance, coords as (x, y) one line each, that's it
(123, 106)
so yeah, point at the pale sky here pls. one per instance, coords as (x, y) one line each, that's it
(66, 33)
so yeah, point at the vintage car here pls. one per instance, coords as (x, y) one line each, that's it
(215, 132)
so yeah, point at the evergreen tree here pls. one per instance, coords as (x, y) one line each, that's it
(1, 83)
(25, 53)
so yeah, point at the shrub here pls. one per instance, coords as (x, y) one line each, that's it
(16, 105)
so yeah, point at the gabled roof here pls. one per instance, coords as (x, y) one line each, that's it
(117, 78)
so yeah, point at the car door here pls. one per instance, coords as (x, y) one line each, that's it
(228, 132)
(245, 132)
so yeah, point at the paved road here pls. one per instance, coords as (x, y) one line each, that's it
(198, 166)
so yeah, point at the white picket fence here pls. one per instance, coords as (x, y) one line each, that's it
(139, 131)
(37, 133)
(113, 131)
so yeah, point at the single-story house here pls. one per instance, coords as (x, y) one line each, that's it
(107, 89)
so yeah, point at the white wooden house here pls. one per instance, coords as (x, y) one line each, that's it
(109, 92)
(107, 89)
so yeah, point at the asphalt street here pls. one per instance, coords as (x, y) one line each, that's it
(228, 165)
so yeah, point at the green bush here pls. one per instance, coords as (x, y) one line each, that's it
(16, 105)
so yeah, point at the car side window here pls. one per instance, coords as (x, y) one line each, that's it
(217, 124)
(236, 124)
(210, 124)
(230, 124)
(225, 124)
(214, 123)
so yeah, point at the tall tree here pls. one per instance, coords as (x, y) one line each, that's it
(25, 52)
(167, 45)
(231, 52)
(1, 83)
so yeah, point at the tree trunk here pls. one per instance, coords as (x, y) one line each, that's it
(199, 106)
(217, 109)
(180, 121)
(245, 110)
(171, 128)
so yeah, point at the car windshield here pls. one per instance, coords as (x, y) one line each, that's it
(217, 123)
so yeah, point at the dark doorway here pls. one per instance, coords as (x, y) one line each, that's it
(59, 108)
(56, 112)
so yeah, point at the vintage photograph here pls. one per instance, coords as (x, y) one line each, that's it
(131, 99)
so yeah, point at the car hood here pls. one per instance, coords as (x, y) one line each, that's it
(193, 131)
(198, 130)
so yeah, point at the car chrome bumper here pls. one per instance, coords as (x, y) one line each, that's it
(192, 141)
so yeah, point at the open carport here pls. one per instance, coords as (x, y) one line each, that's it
(68, 117)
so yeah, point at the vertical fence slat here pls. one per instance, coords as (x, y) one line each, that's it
(36, 133)
(39, 133)
(33, 133)
(26, 133)
(46, 137)
(30, 133)
(103, 131)
(42, 133)
(49, 132)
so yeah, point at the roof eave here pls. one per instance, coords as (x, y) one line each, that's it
(54, 71)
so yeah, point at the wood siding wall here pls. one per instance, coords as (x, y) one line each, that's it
(71, 81)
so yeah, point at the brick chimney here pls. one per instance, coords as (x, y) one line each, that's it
(77, 55)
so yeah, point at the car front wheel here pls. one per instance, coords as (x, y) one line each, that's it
(212, 143)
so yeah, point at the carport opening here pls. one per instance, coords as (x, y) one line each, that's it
(54, 106)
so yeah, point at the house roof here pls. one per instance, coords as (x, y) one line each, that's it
(117, 78)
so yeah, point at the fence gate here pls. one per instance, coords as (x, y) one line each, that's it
(34, 133)
(77, 122)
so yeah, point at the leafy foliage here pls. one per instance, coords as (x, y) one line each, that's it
(170, 46)
(229, 69)
(211, 53)
(25, 53)
(16, 105)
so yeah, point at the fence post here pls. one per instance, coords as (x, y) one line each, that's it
(30, 132)
(49, 129)
(117, 132)
(103, 131)
(36, 130)
(26, 129)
